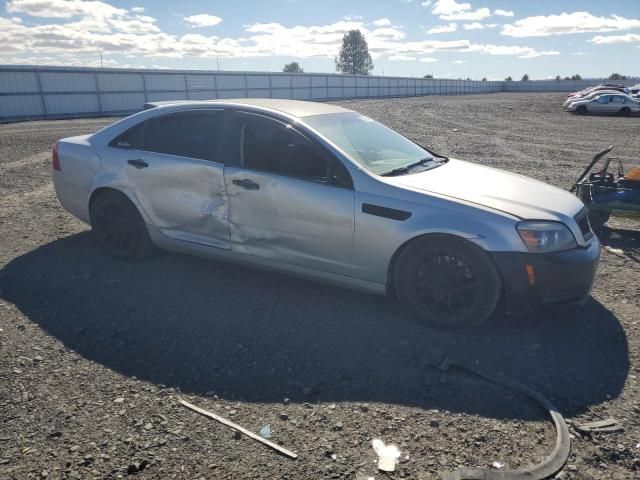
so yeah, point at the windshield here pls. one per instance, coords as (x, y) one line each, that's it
(371, 144)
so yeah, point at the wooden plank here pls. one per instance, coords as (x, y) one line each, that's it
(240, 429)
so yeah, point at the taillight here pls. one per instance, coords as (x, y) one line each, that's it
(55, 160)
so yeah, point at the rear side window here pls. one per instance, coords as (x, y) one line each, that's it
(191, 134)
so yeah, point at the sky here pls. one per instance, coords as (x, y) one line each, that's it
(445, 38)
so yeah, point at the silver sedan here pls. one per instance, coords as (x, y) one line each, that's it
(606, 103)
(325, 193)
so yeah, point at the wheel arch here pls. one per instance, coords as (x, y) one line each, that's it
(390, 287)
(130, 197)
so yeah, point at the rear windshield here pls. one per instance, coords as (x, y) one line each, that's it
(369, 143)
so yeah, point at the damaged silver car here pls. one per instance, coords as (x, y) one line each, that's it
(326, 193)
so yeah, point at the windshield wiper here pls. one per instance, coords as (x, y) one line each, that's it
(406, 168)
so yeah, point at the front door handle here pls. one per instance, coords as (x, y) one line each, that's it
(247, 184)
(138, 163)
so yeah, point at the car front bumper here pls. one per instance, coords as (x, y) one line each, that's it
(533, 280)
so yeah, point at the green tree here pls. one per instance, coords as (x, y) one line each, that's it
(525, 78)
(354, 57)
(576, 77)
(484, 79)
(428, 76)
(508, 79)
(293, 67)
(558, 77)
(617, 76)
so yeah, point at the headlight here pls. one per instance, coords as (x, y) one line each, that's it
(544, 237)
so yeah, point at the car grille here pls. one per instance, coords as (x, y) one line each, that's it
(583, 223)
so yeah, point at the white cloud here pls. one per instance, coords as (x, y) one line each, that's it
(137, 36)
(137, 9)
(576, 22)
(503, 13)
(426, 3)
(452, 10)
(459, 62)
(473, 26)
(402, 58)
(202, 20)
(350, 18)
(452, 27)
(612, 39)
(63, 8)
(382, 22)
(429, 60)
(509, 50)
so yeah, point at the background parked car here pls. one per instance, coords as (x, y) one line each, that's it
(588, 96)
(619, 103)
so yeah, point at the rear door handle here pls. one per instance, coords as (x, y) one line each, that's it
(138, 163)
(247, 184)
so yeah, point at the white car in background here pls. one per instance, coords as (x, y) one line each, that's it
(589, 96)
(608, 103)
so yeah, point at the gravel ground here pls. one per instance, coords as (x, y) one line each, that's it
(94, 353)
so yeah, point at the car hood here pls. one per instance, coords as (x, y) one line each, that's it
(514, 194)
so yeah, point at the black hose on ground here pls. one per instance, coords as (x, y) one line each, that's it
(551, 465)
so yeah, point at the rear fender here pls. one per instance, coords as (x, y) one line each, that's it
(113, 181)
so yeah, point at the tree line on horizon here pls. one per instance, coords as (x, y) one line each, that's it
(354, 59)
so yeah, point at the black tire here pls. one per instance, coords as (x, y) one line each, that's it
(597, 220)
(118, 226)
(581, 110)
(625, 111)
(462, 290)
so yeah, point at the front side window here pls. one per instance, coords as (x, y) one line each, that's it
(603, 99)
(271, 146)
(369, 143)
(191, 134)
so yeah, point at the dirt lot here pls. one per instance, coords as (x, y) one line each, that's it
(94, 353)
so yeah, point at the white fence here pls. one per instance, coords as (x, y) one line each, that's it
(29, 92)
(59, 92)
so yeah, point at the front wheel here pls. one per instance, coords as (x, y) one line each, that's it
(118, 226)
(597, 219)
(447, 281)
(625, 111)
(581, 110)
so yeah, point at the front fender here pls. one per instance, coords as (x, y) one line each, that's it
(378, 238)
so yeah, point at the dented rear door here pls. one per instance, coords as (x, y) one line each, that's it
(177, 177)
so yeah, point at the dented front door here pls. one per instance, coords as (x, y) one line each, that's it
(290, 220)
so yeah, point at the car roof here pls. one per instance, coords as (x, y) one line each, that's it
(294, 108)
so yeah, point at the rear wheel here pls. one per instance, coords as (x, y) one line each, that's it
(581, 110)
(447, 281)
(118, 226)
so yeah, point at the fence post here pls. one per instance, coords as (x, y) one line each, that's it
(144, 87)
(95, 79)
(44, 104)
